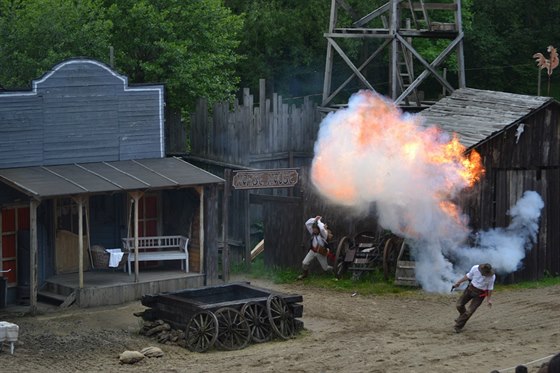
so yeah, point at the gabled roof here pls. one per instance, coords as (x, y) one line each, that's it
(103, 177)
(475, 114)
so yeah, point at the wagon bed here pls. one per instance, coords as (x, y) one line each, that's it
(229, 315)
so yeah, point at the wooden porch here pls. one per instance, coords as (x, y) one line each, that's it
(114, 287)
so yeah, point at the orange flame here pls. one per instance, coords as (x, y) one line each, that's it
(364, 151)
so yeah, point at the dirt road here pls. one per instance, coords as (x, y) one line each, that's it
(343, 333)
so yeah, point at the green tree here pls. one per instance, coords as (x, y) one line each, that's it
(36, 35)
(283, 42)
(188, 45)
(504, 36)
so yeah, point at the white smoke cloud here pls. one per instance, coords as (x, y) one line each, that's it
(504, 248)
(371, 152)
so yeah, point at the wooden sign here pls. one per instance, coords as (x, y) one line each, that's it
(262, 179)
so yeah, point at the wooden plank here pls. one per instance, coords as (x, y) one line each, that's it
(211, 232)
(428, 6)
(288, 251)
(263, 198)
(225, 225)
(262, 116)
(33, 257)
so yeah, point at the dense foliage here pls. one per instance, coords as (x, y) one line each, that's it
(190, 46)
(211, 48)
(36, 35)
(502, 39)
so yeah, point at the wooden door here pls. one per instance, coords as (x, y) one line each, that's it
(148, 215)
(284, 240)
(148, 221)
(67, 239)
(14, 220)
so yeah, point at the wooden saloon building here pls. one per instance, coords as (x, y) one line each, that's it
(518, 138)
(83, 167)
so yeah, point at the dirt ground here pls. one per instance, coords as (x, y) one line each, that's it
(343, 333)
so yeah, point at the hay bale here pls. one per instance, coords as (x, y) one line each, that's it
(131, 357)
(152, 351)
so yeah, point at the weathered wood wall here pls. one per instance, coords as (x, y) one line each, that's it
(270, 134)
(81, 111)
(512, 167)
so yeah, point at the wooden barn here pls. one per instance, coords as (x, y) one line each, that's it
(518, 137)
(83, 168)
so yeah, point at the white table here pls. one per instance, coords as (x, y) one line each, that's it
(8, 333)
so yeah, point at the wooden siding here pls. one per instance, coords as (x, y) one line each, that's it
(21, 130)
(81, 111)
(263, 135)
(514, 166)
(284, 239)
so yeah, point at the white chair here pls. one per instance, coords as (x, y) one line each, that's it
(8, 333)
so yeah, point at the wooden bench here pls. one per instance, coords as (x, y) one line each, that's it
(158, 248)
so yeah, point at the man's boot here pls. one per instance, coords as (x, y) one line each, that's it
(303, 275)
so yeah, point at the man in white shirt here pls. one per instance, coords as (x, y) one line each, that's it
(481, 278)
(317, 247)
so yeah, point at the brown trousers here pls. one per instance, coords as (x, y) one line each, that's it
(473, 295)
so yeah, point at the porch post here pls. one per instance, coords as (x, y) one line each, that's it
(201, 228)
(225, 225)
(136, 197)
(211, 232)
(81, 240)
(248, 248)
(1, 261)
(80, 201)
(33, 256)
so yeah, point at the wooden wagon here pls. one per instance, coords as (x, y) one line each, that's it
(367, 251)
(228, 316)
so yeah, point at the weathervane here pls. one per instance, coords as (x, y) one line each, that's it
(548, 64)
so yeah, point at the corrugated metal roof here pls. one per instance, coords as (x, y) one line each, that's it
(102, 177)
(475, 114)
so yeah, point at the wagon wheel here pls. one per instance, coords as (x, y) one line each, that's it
(340, 265)
(202, 331)
(280, 317)
(390, 254)
(257, 317)
(233, 329)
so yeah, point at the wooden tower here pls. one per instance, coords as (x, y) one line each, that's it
(391, 29)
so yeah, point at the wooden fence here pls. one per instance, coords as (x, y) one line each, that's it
(268, 134)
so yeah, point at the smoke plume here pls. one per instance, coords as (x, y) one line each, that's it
(372, 152)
